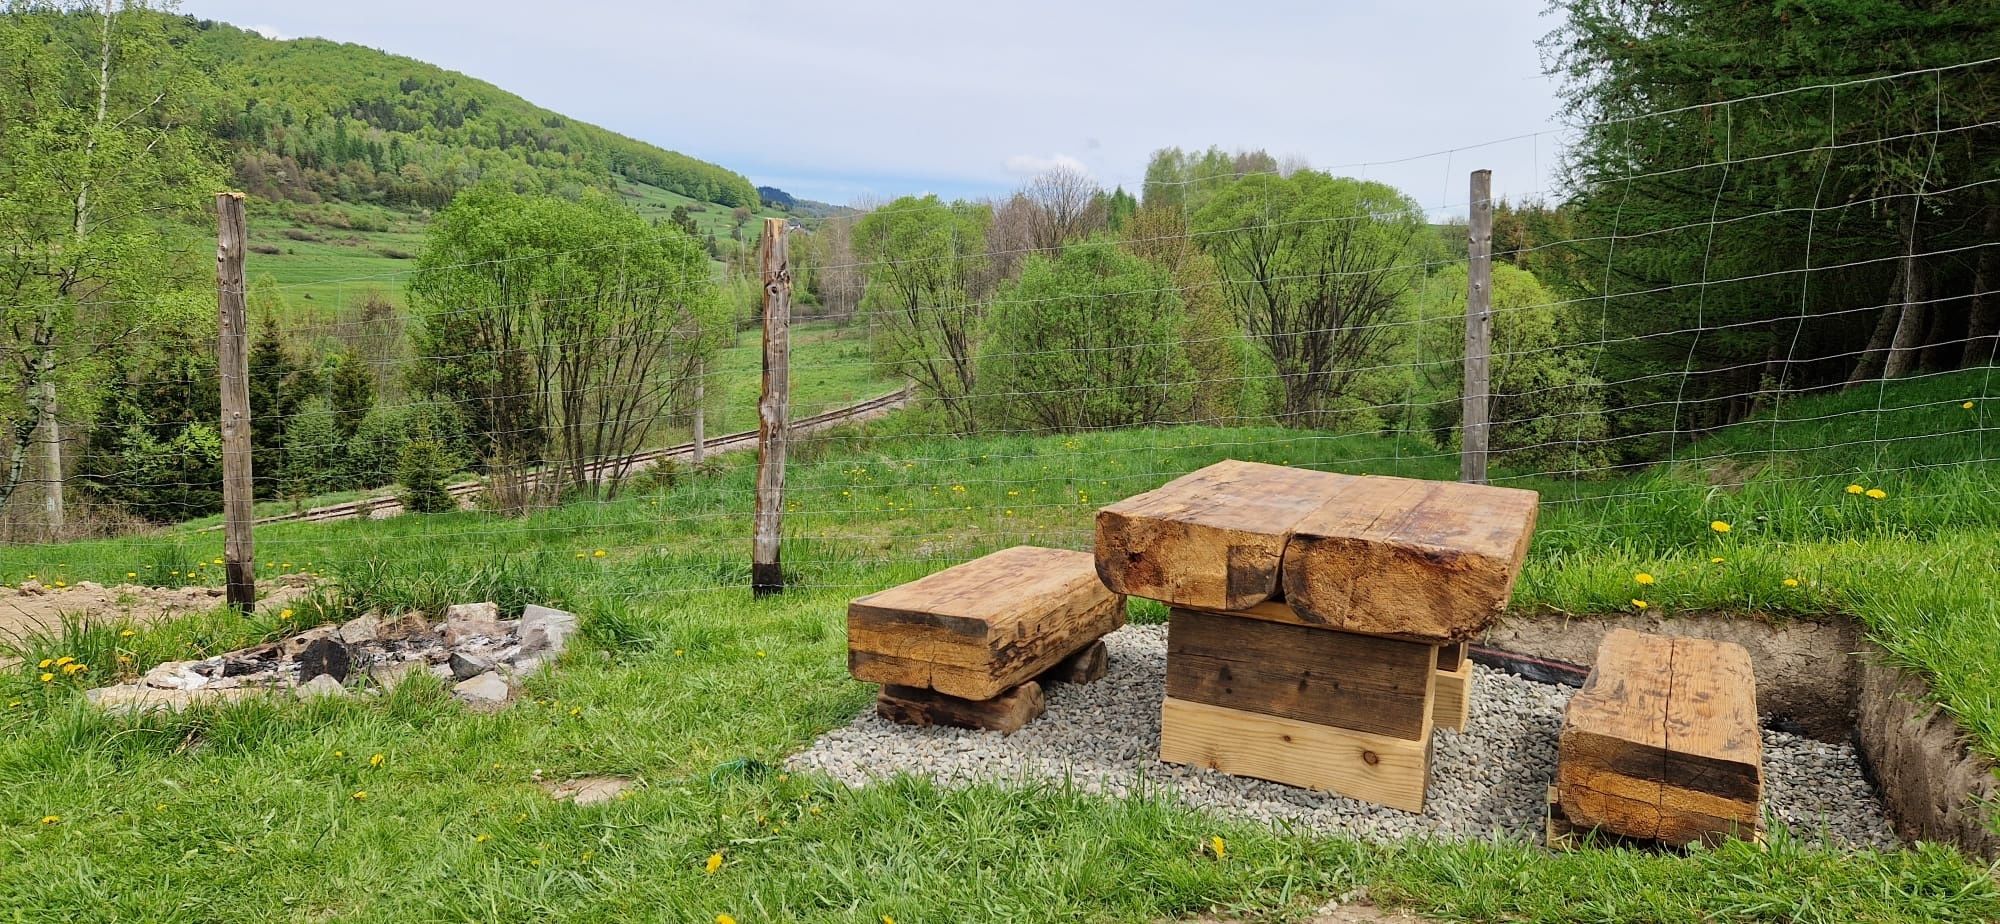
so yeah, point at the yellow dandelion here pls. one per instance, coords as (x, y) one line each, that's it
(61, 584)
(582, 555)
(131, 574)
(1642, 578)
(65, 661)
(46, 662)
(577, 711)
(1967, 405)
(51, 819)
(597, 554)
(285, 614)
(1639, 604)
(128, 633)
(1719, 526)
(360, 794)
(760, 652)
(376, 760)
(1218, 846)
(714, 863)
(71, 669)
(216, 562)
(1854, 489)
(1877, 493)
(724, 919)
(46, 677)
(340, 753)
(1716, 560)
(1791, 582)
(481, 839)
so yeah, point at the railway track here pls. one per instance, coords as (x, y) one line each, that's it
(386, 505)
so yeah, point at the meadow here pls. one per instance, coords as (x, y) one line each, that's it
(280, 810)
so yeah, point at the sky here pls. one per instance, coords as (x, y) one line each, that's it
(864, 100)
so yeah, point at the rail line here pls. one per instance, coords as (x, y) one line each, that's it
(386, 505)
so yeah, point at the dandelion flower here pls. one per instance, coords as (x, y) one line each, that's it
(1639, 604)
(51, 819)
(46, 677)
(360, 794)
(760, 652)
(1719, 526)
(597, 554)
(128, 633)
(46, 662)
(888, 919)
(481, 839)
(1642, 578)
(1967, 405)
(131, 574)
(1877, 493)
(576, 711)
(1854, 489)
(714, 862)
(1791, 582)
(285, 614)
(65, 661)
(376, 761)
(724, 919)
(1716, 560)
(1216, 844)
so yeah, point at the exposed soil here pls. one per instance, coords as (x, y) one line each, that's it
(1935, 786)
(35, 608)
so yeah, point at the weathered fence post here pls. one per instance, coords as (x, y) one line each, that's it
(773, 411)
(233, 364)
(700, 403)
(1475, 422)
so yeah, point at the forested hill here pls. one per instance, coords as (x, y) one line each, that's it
(310, 119)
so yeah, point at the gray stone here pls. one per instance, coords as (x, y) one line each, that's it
(358, 630)
(544, 630)
(407, 627)
(134, 698)
(175, 675)
(466, 665)
(486, 691)
(466, 621)
(296, 645)
(589, 790)
(321, 685)
(388, 674)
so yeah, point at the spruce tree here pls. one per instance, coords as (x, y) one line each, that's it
(422, 469)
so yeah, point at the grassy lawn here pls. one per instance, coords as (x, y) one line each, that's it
(689, 685)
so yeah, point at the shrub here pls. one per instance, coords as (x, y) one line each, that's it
(422, 467)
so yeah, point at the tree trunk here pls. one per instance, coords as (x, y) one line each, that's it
(1869, 364)
(52, 464)
(1982, 330)
(1904, 347)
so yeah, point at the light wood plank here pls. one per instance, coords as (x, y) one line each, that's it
(977, 629)
(1373, 768)
(1452, 702)
(1398, 556)
(1213, 539)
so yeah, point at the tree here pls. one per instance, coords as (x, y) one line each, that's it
(1211, 337)
(274, 399)
(1066, 205)
(101, 148)
(314, 450)
(560, 325)
(351, 393)
(926, 265)
(1086, 340)
(1316, 267)
(422, 467)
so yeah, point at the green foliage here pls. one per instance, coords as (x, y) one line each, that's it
(314, 450)
(1083, 341)
(925, 293)
(560, 326)
(351, 393)
(423, 467)
(1317, 268)
(1547, 407)
(309, 119)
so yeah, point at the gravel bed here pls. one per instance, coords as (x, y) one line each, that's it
(1489, 780)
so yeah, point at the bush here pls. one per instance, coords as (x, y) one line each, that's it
(1087, 340)
(314, 450)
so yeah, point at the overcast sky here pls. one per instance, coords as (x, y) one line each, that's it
(856, 98)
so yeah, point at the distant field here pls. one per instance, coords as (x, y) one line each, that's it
(329, 258)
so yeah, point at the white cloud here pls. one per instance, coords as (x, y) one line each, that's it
(1031, 164)
(271, 32)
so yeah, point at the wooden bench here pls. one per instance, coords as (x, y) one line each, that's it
(972, 645)
(1662, 742)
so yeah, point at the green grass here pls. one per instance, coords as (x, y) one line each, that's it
(688, 684)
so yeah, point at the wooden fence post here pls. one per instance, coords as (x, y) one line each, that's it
(773, 411)
(1475, 423)
(233, 362)
(700, 404)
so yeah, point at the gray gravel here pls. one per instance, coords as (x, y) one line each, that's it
(1489, 780)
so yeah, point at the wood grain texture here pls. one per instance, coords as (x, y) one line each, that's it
(233, 365)
(774, 412)
(1398, 556)
(1386, 771)
(976, 629)
(1007, 713)
(1212, 539)
(1663, 743)
(1474, 421)
(1451, 705)
(1451, 656)
(1357, 682)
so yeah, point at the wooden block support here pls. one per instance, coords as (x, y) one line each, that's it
(1452, 705)
(1398, 556)
(981, 628)
(1451, 656)
(1373, 768)
(1662, 742)
(1357, 682)
(1213, 539)
(1006, 713)
(1087, 665)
